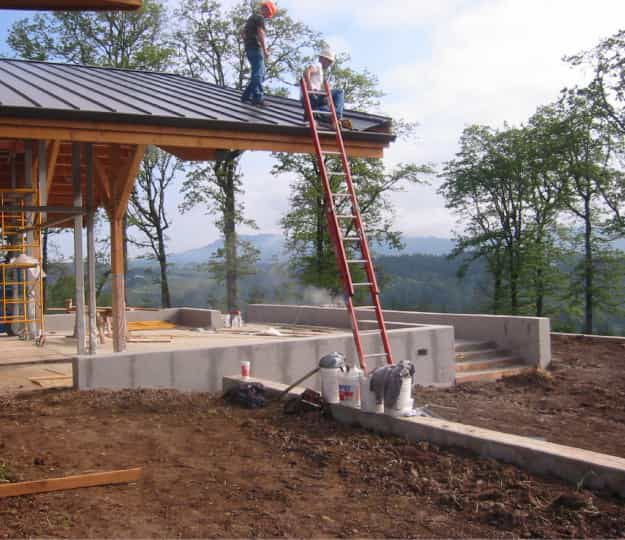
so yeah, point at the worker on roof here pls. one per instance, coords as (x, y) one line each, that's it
(314, 75)
(254, 37)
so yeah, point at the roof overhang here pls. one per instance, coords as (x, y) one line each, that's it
(71, 5)
(188, 140)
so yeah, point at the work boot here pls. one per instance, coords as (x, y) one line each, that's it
(346, 123)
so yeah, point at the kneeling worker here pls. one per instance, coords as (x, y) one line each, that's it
(314, 75)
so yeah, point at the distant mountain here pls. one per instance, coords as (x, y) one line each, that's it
(271, 247)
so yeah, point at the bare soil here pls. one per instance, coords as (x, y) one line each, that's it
(214, 470)
(579, 401)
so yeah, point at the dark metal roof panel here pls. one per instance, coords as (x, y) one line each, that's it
(30, 88)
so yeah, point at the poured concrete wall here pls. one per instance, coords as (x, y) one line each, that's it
(430, 349)
(527, 337)
(192, 317)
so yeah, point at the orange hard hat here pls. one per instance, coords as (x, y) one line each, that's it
(271, 7)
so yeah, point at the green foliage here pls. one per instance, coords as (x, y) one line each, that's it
(133, 40)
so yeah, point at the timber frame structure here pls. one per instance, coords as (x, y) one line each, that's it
(87, 129)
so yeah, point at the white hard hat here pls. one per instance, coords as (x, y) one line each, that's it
(326, 52)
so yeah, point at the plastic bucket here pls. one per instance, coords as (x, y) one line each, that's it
(404, 402)
(349, 388)
(368, 402)
(330, 384)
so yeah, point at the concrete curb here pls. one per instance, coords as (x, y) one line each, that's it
(573, 465)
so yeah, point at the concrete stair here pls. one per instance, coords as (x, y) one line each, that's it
(483, 361)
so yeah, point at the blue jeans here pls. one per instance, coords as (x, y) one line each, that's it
(254, 89)
(319, 102)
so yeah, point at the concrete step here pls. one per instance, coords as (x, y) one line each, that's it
(482, 364)
(480, 354)
(466, 345)
(493, 374)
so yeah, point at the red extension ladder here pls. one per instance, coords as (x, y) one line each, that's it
(357, 239)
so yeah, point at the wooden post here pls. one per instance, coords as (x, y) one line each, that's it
(79, 271)
(118, 283)
(120, 190)
(91, 276)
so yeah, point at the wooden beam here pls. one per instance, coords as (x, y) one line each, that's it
(70, 482)
(103, 181)
(53, 154)
(179, 137)
(126, 180)
(191, 154)
(118, 283)
(91, 269)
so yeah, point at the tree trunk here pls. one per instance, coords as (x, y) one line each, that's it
(162, 260)
(588, 271)
(230, 240)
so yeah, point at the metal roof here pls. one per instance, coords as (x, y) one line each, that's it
(77, 92)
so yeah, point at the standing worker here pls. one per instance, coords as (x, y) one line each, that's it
(314, 75)
(254, 37)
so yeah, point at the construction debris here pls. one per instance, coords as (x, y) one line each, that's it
(70, 482)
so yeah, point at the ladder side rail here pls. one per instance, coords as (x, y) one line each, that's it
(350, 186)
(375, 291)
(333, 222)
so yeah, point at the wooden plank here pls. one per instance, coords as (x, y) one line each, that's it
(102, 178)
(70, 482)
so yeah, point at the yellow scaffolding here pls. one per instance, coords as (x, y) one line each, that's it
(21, 274)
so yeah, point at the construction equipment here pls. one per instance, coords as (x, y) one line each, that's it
(345, 224)
(21, 276)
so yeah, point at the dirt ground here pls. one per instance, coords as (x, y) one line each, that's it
(213, 470)
(580, 402)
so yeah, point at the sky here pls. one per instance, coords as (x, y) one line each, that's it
(445, 64)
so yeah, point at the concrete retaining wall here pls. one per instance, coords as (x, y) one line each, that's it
(202, 318)
(431, 350)
(527, 337)
(572, 465)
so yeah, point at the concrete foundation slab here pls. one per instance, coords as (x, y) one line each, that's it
(573, 465)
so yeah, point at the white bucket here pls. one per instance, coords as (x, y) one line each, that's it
(330, 384)
(404, 403)
(368, 402)
(349, 387)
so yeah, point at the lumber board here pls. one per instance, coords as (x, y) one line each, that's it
(70, 482)
(150, 325)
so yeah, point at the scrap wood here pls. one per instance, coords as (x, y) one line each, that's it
(70, 482)
(149, 340)
(150, 325)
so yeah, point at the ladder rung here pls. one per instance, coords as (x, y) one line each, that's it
(316, 93)
(375, 355)
(347, 216)
(352, 238)
(331, 153)
(342, 194)
(337, 174)
(325, 113)
(357, 261)
(364, 307)
(362, 284)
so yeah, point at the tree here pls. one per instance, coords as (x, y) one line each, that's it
(210, 48)
(147, 209)
(305, 225)
(503, 183)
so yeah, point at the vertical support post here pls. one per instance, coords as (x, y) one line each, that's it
(42, 200)
(79, 271)
(118, 282)
(91, 277)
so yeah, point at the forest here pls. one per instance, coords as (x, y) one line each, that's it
(539, 205)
